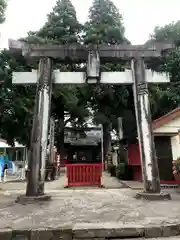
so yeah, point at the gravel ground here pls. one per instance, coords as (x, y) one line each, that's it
(88, 206)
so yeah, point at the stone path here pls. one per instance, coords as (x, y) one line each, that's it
(100, 210)
(111, 182)
(89, 206)
(135, 185)
(163, 238)
(112, 205)
(108, 181)
(51, 185)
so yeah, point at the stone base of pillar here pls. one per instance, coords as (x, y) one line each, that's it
(22, 199)
(153, 196)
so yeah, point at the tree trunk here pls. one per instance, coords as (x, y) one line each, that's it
(106, 143)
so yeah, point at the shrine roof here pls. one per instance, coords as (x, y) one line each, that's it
(159, 122)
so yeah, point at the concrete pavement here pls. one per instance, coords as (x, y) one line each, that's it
(99, 209)
(108, 182)
(88, 206)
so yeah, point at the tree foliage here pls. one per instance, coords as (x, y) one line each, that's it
(3, 5)
(165, 98)
(16, 102)
(108, 102)
(168, 32)
(105, 26)
(61, 27)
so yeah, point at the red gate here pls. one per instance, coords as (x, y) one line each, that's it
(83, 175)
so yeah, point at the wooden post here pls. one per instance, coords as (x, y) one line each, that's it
(102, 146)
(121, 155)
(38, 149)
(46, 92)
(143, 119)
(34, 152)
(51, 142)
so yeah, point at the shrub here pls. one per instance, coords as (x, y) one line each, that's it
(120, 170)
(176, 166)
(112, 170)
(124, 171)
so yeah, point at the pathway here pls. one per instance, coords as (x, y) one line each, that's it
(109, 182)
(163, 238)
(92, 208)
(112, 206)
(90, 205)
(135, 185)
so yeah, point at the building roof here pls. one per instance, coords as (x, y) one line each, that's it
(166, 118)
(4, 144)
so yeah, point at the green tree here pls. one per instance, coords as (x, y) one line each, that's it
(16, 102)
(165, 98)
(104, 24)
(168, 32)
(3, 5)
(62, 27)
(108, 102)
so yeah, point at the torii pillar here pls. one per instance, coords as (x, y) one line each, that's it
(39, 134)
(150, 171)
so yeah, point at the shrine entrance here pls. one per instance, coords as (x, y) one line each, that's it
(164, 157)
(93, 56)
(85, 159)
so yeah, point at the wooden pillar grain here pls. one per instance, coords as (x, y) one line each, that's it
(149, 164)
(51, 143)
(46, 91)
(39, 135)
(35, 146)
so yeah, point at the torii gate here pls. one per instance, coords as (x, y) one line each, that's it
(137, 76)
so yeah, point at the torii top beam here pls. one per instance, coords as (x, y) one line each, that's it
(79, 53)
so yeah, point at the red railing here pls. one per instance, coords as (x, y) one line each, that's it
(83, 175)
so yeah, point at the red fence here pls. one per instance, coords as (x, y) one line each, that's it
(83, 175)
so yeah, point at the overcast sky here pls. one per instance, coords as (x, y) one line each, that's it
(140, 16)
